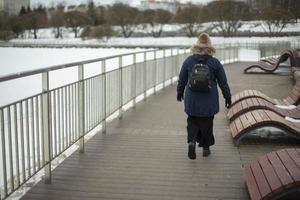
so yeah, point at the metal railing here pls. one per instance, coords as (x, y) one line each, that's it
(36, 130)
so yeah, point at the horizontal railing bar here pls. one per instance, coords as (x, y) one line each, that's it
(63, 66)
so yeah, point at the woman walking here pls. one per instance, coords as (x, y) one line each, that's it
(197, 85)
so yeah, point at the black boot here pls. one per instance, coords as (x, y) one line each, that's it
(192, 150)
(206, 151)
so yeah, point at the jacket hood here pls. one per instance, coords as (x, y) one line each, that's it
(203, 49)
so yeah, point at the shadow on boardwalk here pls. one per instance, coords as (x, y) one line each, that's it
(144, 155)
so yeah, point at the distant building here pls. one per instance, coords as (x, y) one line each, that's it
(170, 6)
(13, 7)
(80, 8)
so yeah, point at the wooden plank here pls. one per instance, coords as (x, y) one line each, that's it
(276, 118)
(256, 116)
(248, 103)
(255, 101)
(251, 184)
(263, 102)
(234, 130)
(270, 174)
(250, 118)
(289, 164)
(261, 180)
(244, 104)
(265, 116)
(280, 169)
(295, 156)
(238, 124)
(244, 121)
(238, 107)
(230, 111)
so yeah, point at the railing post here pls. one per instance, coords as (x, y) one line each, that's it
(230, 50)
(4, 175)
(172, 66)
(134, 81)
(155, 71)
(121, 88)
(81, 117)
(103, 70)
(46, 126)
(164, 69)
(178, 67)
(145, 76)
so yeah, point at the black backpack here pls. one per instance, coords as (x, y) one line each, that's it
(199, 80)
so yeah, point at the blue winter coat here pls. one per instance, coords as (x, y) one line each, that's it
(203, 104)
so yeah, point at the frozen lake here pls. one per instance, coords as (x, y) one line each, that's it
(14, 60)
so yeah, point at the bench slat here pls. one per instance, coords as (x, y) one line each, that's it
(239, 125)
(281, 172)
(245, 121)
(257, 116)
(251, 184)
(250, 118)
(261, 181)
(270, 174)
(289, 165)
(295, 156)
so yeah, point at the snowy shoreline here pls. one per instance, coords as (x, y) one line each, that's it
(140, 42)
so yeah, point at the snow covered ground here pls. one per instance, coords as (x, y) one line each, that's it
(149, 41)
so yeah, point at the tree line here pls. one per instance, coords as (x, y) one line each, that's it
(93, 21)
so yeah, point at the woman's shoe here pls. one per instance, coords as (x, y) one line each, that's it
(206, 152)
(192, 150)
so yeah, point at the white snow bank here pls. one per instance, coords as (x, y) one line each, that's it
(150, 41)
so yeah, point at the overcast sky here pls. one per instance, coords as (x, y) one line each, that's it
(103, 2)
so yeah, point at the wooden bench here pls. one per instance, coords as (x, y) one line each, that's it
(271, 60)
(249, 104)
(292, 99)
(271, 65)
(255, 119)
(273, 175)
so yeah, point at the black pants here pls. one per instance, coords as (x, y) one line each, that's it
(200, 129)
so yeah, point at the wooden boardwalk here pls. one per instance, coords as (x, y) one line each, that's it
(144, 155)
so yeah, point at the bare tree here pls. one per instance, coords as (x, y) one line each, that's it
(5, 32)
(274, 21)
(190, 17)
(57, 20)
(226, 15)
(293, 6)
(35, 20)
(156, 19)
(76, 21)
(17, 25)
(102, 32)
(124, 16)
